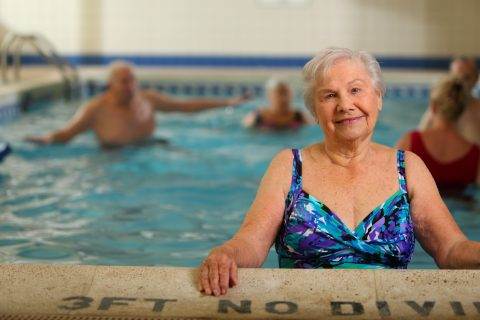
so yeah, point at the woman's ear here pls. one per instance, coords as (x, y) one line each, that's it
(432, 107)
(380, 103)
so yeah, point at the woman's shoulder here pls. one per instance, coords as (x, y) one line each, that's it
(384, 150)
(387, 154)
(415, 168)
(283, 157)
(283, 160)
(280, 169)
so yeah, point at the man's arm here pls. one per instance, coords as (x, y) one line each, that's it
(165, 103)
(81, 121)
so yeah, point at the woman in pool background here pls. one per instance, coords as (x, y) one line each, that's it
(468, 124)
(451, 158)
(316, 203)
(279, 114)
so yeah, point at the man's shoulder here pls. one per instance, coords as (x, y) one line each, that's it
(97, 101)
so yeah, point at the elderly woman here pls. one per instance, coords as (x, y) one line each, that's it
(279, 114)
(345, 202)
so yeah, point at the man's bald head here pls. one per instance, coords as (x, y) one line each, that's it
(119, 67)
(121, 80)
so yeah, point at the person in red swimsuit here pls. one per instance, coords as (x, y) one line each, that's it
(465, 69)
(452, 159)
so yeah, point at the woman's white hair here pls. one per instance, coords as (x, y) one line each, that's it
(319, 65)
(275, 82)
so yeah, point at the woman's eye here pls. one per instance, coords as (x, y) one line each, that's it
(356, 90)
(329, 96)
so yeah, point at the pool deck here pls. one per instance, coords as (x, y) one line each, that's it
(35, 291)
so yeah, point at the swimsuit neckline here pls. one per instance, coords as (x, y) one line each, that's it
(362, 222)
(332, 213)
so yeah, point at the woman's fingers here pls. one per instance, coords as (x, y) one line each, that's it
(233, 274)
(217, 273)
(224, 272)
(204, 280)
(213, 276)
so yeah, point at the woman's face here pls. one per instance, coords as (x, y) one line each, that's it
(346, 102)
(280, 95)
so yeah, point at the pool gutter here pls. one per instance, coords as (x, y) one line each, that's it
(38, 84)
(35, 291)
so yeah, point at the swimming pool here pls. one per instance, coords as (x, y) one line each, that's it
(154, 205)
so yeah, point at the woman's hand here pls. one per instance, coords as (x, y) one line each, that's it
(218, 271)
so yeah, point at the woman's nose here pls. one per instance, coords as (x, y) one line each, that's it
(344, 104)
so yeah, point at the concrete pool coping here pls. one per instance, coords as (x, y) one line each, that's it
(36, 291)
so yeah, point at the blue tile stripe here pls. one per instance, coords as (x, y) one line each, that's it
(416, 91)
(394, 90)
(237, 61)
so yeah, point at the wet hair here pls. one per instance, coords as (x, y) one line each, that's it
(450, 97)
(319, 65)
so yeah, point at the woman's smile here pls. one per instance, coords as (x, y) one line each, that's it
(349, 120)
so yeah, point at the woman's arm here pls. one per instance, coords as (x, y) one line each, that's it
(250, 245)
(435, 228)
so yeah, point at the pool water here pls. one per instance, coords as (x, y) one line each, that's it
(153, 205)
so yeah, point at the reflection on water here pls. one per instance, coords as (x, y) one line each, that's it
(154, 204)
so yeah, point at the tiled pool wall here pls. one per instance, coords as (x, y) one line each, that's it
(12, 104)
(257, 89)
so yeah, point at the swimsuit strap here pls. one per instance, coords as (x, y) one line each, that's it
(258, 118)
(298, 116)
(401, 170)
(296, 170)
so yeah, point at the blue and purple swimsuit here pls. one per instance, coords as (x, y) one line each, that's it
(313, 236)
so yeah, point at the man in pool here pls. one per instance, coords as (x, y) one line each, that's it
(469, 123)
(124, 114)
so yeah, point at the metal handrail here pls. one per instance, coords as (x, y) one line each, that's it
(12, 45)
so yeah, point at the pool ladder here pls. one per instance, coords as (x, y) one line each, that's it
(12, 45)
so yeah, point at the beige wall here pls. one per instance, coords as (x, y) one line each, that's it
(393, 27)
